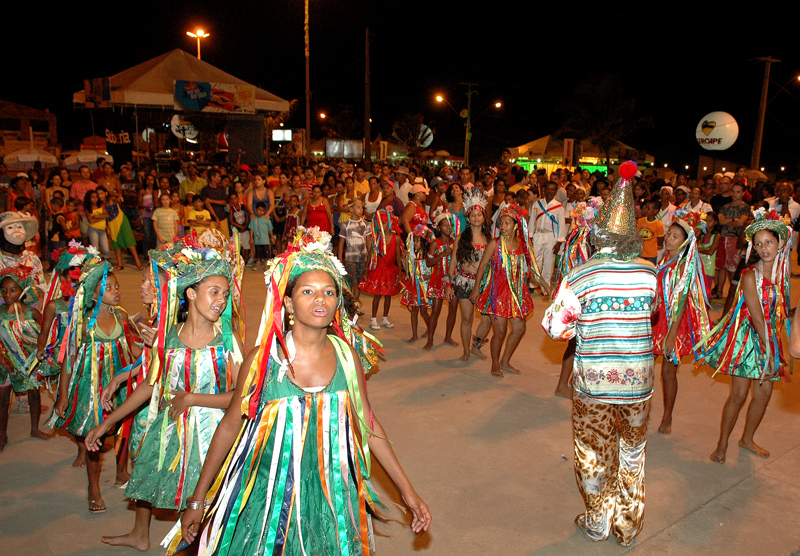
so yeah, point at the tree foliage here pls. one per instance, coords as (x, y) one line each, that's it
(599, 111)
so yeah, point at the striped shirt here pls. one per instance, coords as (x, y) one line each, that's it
(614, 351)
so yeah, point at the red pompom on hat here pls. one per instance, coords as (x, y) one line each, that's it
(628, 169)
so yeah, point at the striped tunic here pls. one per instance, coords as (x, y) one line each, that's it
(614, 351)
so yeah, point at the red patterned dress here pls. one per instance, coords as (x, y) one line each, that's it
(384, 278)
(439, 271)
(503, 295)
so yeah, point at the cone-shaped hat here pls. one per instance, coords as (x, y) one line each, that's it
(617, 215)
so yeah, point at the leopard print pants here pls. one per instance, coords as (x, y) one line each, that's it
(610, 443)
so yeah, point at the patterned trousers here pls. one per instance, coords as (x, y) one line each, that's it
(610, 443)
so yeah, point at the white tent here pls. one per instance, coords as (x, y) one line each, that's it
(549, 148)
(151, 83)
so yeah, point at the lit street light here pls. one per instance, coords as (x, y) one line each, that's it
(199, 34)
(467, 115)
(322, 115)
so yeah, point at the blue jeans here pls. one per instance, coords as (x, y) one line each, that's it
(149, 234)
(99, 239)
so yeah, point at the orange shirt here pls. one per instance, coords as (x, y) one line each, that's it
(652, 231)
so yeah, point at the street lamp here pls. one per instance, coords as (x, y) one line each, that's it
(199, 34)
(322, 115)
(467, 115)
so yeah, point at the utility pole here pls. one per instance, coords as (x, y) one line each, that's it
(468, 137)
(307, 145)
(367, 128)
(755, 158)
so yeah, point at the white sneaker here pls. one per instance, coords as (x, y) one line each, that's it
(250, 262)
(386, 323)
(373, 324)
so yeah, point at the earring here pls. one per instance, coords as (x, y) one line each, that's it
(291, 319)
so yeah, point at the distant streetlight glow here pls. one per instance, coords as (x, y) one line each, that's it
(199, 34)
(323, 115)
(665, 165)
(498, 104)
(439, 98)
(687, 166)
(783, 168)
(762, 168)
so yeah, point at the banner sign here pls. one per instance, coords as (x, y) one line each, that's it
(202, 96)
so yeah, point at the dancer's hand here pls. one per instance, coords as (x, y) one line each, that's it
(108, 393)
(448, 291)
(180, 402)
(473, 297)
(61, 406)
(190, 524)
(419, 509)
(148, 335)
(94, 440)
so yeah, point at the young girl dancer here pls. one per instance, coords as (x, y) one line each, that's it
(468, 248)
(681, 318)
(188, 387)
(19, 329)
(503, 292)
(100, 343)
(439, 256)
(415, 285)
(382, 277)
(746, 344)
(292, 456)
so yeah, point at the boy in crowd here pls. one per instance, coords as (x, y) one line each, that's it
(263, 238)
(165, 221)
(198, 216)
(653, 231)
(355, 234)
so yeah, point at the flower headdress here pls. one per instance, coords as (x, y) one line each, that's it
(474, 199)
(584, 212)
(768, 220)
(692, 222)
(309, 250)
(72, 257)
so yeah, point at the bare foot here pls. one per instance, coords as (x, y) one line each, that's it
(755, 448)
(80, 461)
(564, 392)
(424, 334)
(464, 356)
(477, 353)
(509, 369)
(497, 372)
(719, 454)
(122, 478)
(39, 434)
(450, 341)
(665, 427)
(128, 540)
(413, 339)
(427, 346)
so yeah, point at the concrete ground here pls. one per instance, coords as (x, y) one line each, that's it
(491, 457)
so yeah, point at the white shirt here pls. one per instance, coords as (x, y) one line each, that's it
(794, 207)
(701, 206)
(541, 221)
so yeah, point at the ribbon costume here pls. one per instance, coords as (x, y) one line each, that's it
(296, 480)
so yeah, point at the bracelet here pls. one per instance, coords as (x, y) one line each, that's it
(193, 504)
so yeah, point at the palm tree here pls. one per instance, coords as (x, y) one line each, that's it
(599, 111)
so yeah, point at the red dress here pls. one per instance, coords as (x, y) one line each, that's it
(420, 216)
(506, 296)
(384, 279)
(438, 272)
(317, 216)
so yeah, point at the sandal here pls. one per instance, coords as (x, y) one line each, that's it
(96, 507)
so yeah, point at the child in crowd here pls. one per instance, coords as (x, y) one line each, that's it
(263, 238)
(356, 236)
(165, 221)
(653, 231)
(439, 253)
(19, 329)
(239, 219)
(198, 216)
(56, 236)
(417, 273)
(292, 218)
(72, 220)
(96, 215)
(383, 277)
(708, 249)
(176, 205)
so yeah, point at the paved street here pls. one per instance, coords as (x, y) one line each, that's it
(491, 457)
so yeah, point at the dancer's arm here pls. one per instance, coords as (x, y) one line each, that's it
(140, 395)
(224, 437)
(384, 453)
(488, 253)
(47, 321)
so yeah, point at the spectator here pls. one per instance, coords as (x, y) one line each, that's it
(193, 184)
(215, 199)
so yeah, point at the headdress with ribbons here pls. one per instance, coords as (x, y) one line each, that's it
(684, 289)
(310, 250)
(381, 237)
(455, 223)
(71, 258)
(23, 276)
(474, 199)
(577, 247)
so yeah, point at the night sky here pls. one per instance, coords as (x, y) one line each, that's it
(678, 63)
